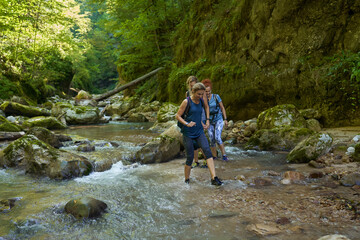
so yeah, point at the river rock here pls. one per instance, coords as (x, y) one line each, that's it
(119, 108)
(83, 95)
(167, 112)
(316, 174)
(221, 214)
(356, 154)
(39, 158)
(46, 136)
(10, 135)
(46, 122)
(137, 117)
(334, 237)
(174, 132)
(279, 138)
(294, 176)
(2, 114)
(263, 229)
(87, 147)
(7, 126)
(351, 180)
(260, 182)
(86, 207)
(313, 124)
(310, 113)
(161, 149)
(20, 100)
(310, 148)
(12, 108)
(77, 114)
(161, 127)
(281, 115)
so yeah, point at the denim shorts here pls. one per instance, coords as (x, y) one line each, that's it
(189, 147)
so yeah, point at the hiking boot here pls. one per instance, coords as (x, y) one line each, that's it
(187, 181)
(225, 158)
(216, 181)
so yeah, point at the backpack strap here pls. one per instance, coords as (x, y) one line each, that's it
(187, 107)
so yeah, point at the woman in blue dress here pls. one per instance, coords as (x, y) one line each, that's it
(193, 130)
(217, 120)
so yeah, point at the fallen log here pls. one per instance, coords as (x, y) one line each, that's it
(130, 84)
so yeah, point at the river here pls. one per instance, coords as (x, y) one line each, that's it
(153, 202)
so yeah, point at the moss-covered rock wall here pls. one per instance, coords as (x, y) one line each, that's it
(261, 53)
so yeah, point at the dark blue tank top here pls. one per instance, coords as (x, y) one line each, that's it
(194, 115)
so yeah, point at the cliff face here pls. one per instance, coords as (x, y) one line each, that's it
(260, 53)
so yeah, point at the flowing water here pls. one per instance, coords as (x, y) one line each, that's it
(152, 201)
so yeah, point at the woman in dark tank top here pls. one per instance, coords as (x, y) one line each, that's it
(194, 131)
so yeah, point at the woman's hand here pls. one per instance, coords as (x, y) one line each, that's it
(226, 123)
(191, 124)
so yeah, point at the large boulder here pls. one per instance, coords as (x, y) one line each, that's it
(161, 149)
(39, 158)
(46, 136)
(46, 122)
(280, 138)
(13, 108)
(86, 207)
(137, 117)
(7, 126)
(310, 148)
(75, 115)
(281, 115)
(174, 132)
(167, 112)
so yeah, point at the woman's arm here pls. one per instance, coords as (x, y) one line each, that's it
(181, 112)
(223, 112)
(207, 111)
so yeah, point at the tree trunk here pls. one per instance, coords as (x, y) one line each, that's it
(130, 84)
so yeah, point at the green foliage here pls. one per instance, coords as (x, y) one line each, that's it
(8, 88)
(344, 76)
(37, 36)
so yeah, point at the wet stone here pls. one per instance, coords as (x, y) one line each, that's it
(221, 214)
(259, 182)
(283, 221)
(316, 175)
(86, 148)
(315, 164)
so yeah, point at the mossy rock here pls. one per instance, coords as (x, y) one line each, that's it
(356, 155)
(77, 114)
(46, 122)
(280, 138)
(7, 126)
(167, 112)
(46, 136)
(161, 149)
(23, 110)
(313, 124)
(85, 207)
(137, 117)
(281, 115)
(83, 95)
(310, 113)
(310, 148)
(38, 158)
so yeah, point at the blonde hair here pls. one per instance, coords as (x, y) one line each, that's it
(191, 79)
(198, 86)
